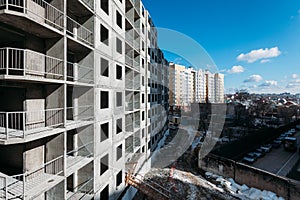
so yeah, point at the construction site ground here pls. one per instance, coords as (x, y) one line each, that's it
(182, 179)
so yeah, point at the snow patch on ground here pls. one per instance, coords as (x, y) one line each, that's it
(242, 191)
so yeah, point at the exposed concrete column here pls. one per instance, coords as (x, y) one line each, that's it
(75, 181)
(75, 143)
(75, 107)
(75, 32)
(75, 71)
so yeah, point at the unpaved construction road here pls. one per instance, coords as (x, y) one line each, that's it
(183, 180)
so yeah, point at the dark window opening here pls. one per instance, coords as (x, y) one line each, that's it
(119, 178)
(119, 19)
(104, 35)
(119, 151)
(104, 99)
(104, 164)
(104, 131)
(119, 72)
(119, 99)
(104, 67)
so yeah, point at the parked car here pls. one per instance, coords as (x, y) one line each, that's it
(293, 131)
(252, 155)
(258, 154)
(280, 139)
(266, 147)
(248, 160)
(276, 143)
(261, 151)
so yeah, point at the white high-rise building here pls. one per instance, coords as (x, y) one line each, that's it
(78, 81)
(210, 87)
(219, 88)
(188, 85)
(181, 85)
(200, 96)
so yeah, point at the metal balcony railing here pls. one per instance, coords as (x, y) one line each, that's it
(137, 124)
(83, 151)
(129, 37)
(79, 32)
(128, 83)
(128, 106)
(24, 62)
(80, 154)
(80, 73)
(130, 16)
(80, 113)
(89, 3)
(86, 189)
(137, 142)
(38, 10)
(136, 65)
(128, 60)
(18, 186)
(136, 45)
(129, 149)
(137, 85)
(24, 123)
(129, 127)
(137, 105)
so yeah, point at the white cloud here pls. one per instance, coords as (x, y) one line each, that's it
(254, 78)
(294, 76)
(265, 61)
(268, 83)
(259, 54)
(236, 69)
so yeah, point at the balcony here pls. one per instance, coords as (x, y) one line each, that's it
(136, 65)
(128, 61)
(80, 74)
(81, 7)
(128, 106)
(31, 184)
(30, 65)
(129, 37)
(137, 105)
(16, 127)
(34, 16)
(79, 116)
(136, 44)
(130, 15)
(137, 124)
(128, 84)
(83, 191)
(137, 85)
(79, 32)
(79, 157)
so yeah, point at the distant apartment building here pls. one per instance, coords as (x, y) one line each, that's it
(219, 88)
(181, 85)
(200, 82)
(188, 85)
(82, 82)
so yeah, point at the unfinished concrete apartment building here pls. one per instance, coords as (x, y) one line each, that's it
(82, 97)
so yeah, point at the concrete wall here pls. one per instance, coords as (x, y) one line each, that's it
(57, 192)
(253, 177)
(55, 147)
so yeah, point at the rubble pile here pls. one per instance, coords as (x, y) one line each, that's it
(185, 185)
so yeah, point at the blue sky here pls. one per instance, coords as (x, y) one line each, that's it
(255, 43)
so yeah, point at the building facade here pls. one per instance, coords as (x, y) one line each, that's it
(182, 85)
(188, 85)
(76, 104)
